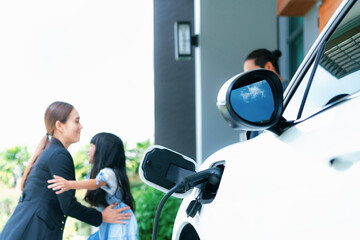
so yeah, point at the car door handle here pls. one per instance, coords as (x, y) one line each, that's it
(345, 161)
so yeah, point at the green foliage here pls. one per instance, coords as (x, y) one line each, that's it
(81, 163)
(134, 157)
(6, 210)
(13, 162)
(147, 200)
(75, 229)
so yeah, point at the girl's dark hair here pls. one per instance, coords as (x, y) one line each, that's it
(262, 56)
(109, 153)
(56, 111)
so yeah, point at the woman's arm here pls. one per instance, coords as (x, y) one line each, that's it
(61, 185)
(109, 214)
(61, 164)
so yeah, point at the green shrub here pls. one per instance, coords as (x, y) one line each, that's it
(134, 156)
(81, 163)
(13, 162)
(147, 200)
(6, 206)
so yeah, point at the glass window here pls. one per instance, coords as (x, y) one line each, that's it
(338, 73)
(296, 43)
(293, 106)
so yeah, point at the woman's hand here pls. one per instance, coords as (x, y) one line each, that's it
(111, 215)
(60, 184)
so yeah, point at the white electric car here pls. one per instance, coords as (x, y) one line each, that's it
(300, 178)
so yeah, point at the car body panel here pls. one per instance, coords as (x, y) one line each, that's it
(284, 187)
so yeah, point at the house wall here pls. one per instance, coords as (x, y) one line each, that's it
(228, 31)
(174, 80)
(186, 116)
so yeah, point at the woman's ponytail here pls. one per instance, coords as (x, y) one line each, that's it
(40, 148)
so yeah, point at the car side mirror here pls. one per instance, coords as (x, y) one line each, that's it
(252, 100)
(162, 168)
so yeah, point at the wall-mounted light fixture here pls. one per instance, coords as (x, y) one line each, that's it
(184, 40)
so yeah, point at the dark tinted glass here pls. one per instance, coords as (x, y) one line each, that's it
(254, 102)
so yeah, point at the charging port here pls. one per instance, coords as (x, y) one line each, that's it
(208, 191)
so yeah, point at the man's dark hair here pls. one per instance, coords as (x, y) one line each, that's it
(262, 56)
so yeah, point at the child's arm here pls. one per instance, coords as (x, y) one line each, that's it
(61, 185)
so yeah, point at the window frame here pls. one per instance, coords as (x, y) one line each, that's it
(310, 58)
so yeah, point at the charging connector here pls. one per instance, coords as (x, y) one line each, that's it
(211, 176)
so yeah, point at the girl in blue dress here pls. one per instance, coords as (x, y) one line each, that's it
(108, 184)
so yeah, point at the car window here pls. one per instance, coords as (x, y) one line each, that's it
(293, 107)
(338, 72)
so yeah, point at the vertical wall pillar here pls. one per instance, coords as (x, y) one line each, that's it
(174, 80)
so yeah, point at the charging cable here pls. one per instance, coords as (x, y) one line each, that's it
(211, 175)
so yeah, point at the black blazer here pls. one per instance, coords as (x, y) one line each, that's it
(40, 213)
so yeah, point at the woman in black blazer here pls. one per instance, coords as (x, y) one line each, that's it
(40, 213)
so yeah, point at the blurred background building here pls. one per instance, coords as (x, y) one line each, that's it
(224, 32)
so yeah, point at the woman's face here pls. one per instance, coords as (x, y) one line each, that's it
(71, 129)
(91, 153)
